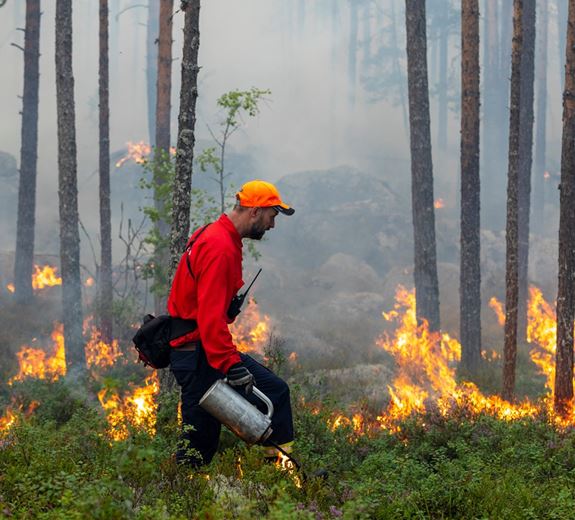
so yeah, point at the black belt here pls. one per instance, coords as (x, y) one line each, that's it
(190, 346)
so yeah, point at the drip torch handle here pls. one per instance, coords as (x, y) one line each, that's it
(262, 397)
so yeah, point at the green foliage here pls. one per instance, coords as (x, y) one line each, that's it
(61, 464)
(158, 179)
(235, 104)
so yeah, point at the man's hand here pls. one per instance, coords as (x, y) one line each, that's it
(239, 375)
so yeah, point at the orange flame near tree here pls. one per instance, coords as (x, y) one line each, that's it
(426, 372)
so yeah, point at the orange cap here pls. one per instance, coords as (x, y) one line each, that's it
(262, 194)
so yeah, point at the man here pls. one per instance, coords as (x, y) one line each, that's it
(207, 278)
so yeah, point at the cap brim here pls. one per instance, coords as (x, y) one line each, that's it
(285, 211)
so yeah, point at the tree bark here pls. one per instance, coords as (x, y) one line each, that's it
(162, 139)
(566, 288)
(525, 161)
(425, 258)
(106, 295)
(152, 66)
(470, 273)
(186, 135)
(541, 129)
(26, 220)
(68, 193)
(443, 83)
(511, 260)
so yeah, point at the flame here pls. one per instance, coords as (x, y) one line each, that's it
(99, 353)
(546, 175)
(438, 203)
(250, 332)
(136, 408)
(37, 363)
(45, 277)
(426, 372)
(286, 464)
(138, 152)
(7, 421)
(10, 287)
(497, 306)
(89, 282)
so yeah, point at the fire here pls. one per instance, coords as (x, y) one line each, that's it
(37, 363)
(99, 353)
(542, 330)
(426, 372)
(10, 287)
(41, 364)
(7, 421)
(286, 464)
(138, 152)
(497, 306)
(89, 282)
(546, 175)
(45, 277)
(438, 203)
(136, 409)
(250, 332)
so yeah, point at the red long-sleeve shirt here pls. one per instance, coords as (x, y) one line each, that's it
(216, 261)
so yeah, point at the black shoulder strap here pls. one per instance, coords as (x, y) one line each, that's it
(189, 249)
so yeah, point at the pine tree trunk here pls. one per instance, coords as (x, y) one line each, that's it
(442, 95)
(152, 66)
(186, 136)
(511, 267)
(105, 281)
(493, 159)
(162, 139)
(68, 193)
(26, 220)
(470, 273)
(562, 33)
(352, 52)
(566, 289)
(526, 161)
(425, 258)
(541, 129)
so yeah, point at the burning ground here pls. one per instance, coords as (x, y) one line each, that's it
(419, 438)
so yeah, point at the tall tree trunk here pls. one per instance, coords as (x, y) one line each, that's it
(540, 119)
(397, 69)
(493, 159)
(511, 267)
(152, 66)
(470, 273)
(68, 193)
(26, 220)
(186, 135)
(566, 289)
(562, 6)
(352, 52)
(425, 261)
(105, 285)
(442, 95)
(162, 139)
(525, 161)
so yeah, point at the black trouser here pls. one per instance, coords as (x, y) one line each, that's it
(201, 431)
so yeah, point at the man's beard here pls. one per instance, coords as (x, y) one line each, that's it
(256, 232)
